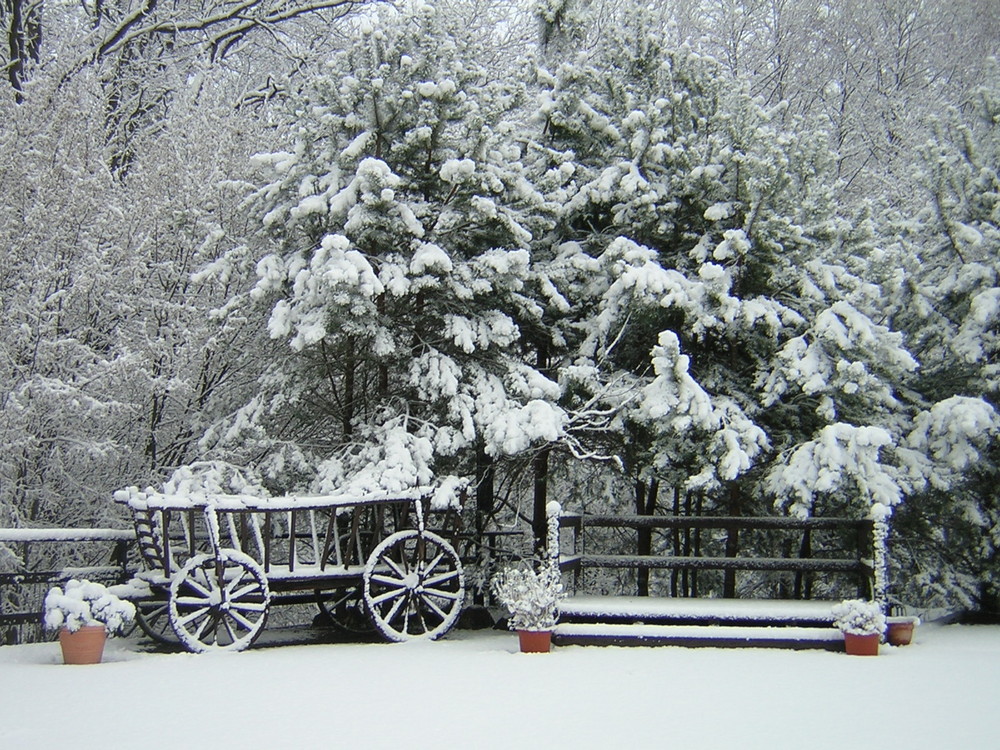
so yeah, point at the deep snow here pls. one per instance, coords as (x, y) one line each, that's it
(472, 690)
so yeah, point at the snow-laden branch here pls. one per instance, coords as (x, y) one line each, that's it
(145, 22)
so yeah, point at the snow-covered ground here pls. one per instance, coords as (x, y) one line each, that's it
(472, 690)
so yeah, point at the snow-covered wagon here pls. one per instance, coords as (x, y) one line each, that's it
(216, 563)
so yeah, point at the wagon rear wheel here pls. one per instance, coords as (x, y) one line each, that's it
(219, 602)
(413, 586)
(153, 619)
(345, 609)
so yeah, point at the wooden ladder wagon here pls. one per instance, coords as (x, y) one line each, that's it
(216, 563)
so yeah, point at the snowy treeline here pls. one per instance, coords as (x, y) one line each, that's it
(567, 250)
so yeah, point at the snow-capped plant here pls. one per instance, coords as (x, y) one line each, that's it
(859, 617)
(84, 603)
(531, 596)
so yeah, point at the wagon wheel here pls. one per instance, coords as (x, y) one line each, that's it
(153, 619)
(219, 603)
(413, 586)
(345, 609)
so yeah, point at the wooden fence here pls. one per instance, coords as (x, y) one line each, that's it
(33, 567)
(687, 545)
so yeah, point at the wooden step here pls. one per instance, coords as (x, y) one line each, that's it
(714, 636)
(722, 623)
(663, 610)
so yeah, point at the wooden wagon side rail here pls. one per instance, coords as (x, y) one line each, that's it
(289, 536)
(859, 564)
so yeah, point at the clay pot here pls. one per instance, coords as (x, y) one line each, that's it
(535, 641)
(900, 631)
(83, 646)
(862, 645)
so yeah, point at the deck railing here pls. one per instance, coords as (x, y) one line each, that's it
(686, 545)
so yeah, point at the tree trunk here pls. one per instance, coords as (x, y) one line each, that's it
(24, 38)
(485, 504)
(539, 521)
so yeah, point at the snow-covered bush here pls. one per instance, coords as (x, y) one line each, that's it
(532, 597)
(84, 603)
(859, 617)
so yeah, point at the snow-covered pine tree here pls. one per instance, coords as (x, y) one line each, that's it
(707, 295)
(394, 259)
(947, 297)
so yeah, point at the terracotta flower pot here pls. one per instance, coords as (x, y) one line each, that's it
(900, 631)
(535, 641)
(862, 645)
(83, 646)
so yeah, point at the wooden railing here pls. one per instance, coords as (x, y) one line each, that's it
(103, 554)
(681, 548)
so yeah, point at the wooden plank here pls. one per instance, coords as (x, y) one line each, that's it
(825, 565)
(569, 562)
(710, 522)
(828, 639)
(111, 572)
(649, 609)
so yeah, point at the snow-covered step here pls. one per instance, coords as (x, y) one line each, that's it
(702, 611)
(717, 636)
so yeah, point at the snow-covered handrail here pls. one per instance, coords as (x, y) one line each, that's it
(66, 535)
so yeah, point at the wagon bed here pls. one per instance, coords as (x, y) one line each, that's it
(215, 563)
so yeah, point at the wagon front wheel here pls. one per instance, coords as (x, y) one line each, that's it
(413, 586)
(219, 602)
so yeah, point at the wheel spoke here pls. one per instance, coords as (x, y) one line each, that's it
(247, 606)
(437, 610)
(387, 581)
(250, 588)
(400, 571)
(231, 585)
(201, 628)
(229, 630)
(341, 601)
(205, 590)
(428, 567)
(387, 595)
(192, 601)
(439, 594)
(183, 621)
(394, 610)
(234, 615)
(419, 612)
(441, 578)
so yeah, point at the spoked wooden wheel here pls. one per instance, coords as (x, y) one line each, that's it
(345, 608)
(413, 586)
(153, 619)
(219, 602)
